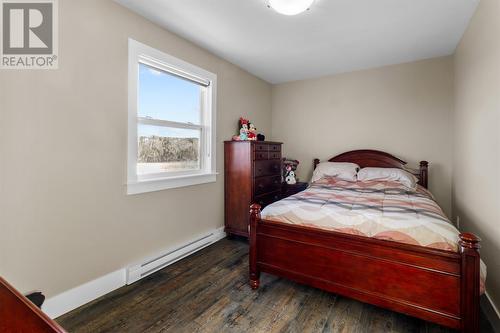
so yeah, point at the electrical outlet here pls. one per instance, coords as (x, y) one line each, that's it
(458, 222)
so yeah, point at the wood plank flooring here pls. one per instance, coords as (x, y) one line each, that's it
(208, 292)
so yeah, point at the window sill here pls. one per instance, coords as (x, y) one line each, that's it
(159, 184)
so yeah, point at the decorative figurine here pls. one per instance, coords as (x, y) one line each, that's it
(252, 132)
(289, 168)
(290, 178)
(247, 131)
(244, 132)
(289, 165)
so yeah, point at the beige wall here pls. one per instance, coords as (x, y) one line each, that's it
(64, 216)
(404, 109)
(476, 191)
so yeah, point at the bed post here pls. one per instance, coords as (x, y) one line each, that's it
(424, 173)
(315, 163)
(254, 271)
(470, 275)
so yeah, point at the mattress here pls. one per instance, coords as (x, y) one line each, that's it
(385, 210)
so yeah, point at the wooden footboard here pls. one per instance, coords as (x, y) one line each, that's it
(434, 285)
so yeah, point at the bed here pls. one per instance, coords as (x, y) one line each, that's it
(435, 277)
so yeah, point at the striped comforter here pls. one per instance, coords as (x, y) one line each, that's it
(379, 209)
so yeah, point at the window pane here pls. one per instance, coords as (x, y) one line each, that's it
(167, 149)
(167, 97)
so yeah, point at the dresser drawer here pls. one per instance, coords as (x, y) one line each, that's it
(274, 148)
(266, 199)
(267, 184)
(261, 155)
(261, 147)
(267, 155)
(267, 168)
(274, 155)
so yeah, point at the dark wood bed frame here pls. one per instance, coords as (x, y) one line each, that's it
(434, 285)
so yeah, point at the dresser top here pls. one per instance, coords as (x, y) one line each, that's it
(254, 142)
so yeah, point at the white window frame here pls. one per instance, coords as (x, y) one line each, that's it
(141, 53)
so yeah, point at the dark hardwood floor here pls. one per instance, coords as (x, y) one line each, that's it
(208, 292)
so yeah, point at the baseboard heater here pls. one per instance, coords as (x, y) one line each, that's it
(168, 257)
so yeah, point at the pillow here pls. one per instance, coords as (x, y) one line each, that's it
(394, 174)
(342, 170)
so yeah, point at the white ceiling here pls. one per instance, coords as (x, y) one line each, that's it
(334, 36)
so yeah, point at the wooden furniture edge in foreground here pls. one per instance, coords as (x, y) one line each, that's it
(434, 285)
(19, 314)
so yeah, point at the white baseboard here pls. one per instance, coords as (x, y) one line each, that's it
(491, 312)
(89, 291)
(169, 256)
(493, 305)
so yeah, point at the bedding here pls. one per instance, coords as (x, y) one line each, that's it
(380, 209)
(342, 170)
(393, 174)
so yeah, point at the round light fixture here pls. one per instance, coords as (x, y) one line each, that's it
(290, 7)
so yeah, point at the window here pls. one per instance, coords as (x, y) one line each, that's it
(171, 131)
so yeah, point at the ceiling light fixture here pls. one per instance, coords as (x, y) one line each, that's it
(290, 7)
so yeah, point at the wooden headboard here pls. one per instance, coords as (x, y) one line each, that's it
(379, 159)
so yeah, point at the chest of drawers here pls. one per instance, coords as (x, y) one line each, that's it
(252, 174)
